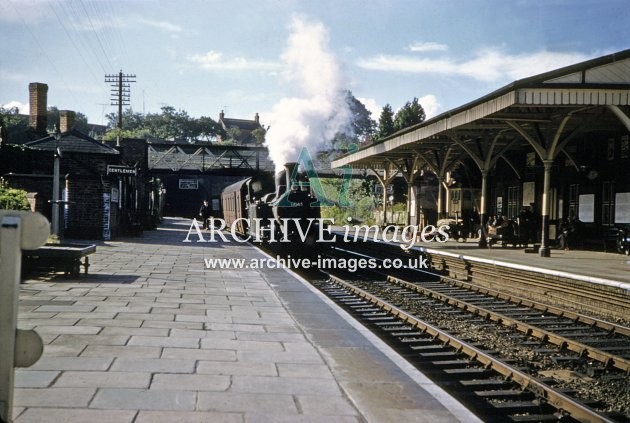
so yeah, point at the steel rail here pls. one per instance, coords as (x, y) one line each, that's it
(582, 349)
(557, 399)
(612, 328)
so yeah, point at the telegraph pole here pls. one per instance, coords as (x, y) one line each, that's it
(120, 92)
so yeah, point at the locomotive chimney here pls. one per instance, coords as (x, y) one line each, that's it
(283, 179)
(289, 168)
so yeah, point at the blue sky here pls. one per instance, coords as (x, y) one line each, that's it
(205, 56)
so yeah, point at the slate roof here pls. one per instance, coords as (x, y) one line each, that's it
(244, 124)
(72, 141)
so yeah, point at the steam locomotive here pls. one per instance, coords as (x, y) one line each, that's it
(273, 211)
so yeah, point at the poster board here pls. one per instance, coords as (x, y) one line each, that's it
(529, 193)
(587, 208)
(622, 207)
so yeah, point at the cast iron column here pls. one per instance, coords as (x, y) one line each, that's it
(482, 209)
(544, 247)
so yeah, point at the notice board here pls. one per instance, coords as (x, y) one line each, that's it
(587, 208)
(622, 207)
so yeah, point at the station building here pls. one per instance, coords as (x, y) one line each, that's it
(556, 143)
(103, 190)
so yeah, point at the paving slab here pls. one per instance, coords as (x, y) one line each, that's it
(150, 335)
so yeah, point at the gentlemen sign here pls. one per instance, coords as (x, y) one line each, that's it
(120, 170)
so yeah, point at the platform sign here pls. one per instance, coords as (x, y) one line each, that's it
(622, 207)
(121, 170)
(586, 208)
(188, 184)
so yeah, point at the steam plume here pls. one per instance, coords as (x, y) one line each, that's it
(320, 111)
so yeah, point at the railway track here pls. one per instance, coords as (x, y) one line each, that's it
(604, 302)
(497, 387)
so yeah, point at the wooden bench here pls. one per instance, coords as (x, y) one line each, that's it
(59, 257)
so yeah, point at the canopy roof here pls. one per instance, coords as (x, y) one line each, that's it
(544, 111)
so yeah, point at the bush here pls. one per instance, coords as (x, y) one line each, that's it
(11, 198)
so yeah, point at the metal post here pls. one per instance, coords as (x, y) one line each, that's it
(482, 208)
(440, 199)
(384, 184)
(18, 348)
(544, 246)
(55, 194)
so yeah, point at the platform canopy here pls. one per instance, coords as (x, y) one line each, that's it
(545, 111)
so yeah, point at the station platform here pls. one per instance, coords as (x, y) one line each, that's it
(609, 268)
(152, 335)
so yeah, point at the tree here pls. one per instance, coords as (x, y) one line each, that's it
(259, 135)
(386, 122)
(234, 135)
(130, 120)
(361, 126)
(209, 128)
(15, 129)
(362, 123)
(411, 114)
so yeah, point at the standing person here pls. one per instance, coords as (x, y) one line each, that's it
(473, 223)
(204, 213)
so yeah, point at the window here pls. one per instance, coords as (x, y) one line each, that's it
(608, 203)
(513, 206)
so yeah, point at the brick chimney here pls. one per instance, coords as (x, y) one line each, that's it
(38, 117)
(257, 119)
(66, 120)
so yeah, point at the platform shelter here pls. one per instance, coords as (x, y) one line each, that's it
(560, 136)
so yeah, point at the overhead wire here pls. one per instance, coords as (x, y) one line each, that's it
(74, 17)
(98, 39)
(45, 54)
(74, 44)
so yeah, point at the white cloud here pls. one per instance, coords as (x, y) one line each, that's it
(166, 26)
(214, 60)
(420, 46)
(430, 105)
(488, 65)
(22, 107)
(372, 107)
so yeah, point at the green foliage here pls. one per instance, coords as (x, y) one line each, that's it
(386, 122)
(362, 123)
(235, 135)
(362, 126)
(411, 114)
(11, 198)
(259, 135)
(361, 204)
(15, 129)
(169, 124)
